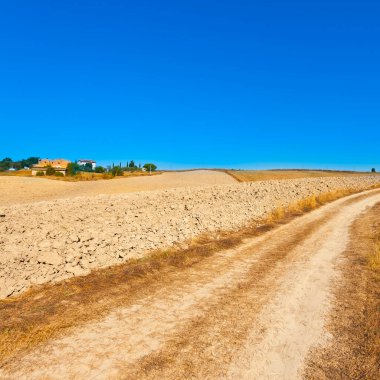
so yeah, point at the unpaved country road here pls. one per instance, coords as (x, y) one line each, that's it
(249, 313)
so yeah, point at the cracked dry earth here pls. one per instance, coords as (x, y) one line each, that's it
(252, 312)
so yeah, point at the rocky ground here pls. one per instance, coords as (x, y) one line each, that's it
(56, 239)
(255, 310)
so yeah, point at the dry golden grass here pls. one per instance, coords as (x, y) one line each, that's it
(84, 176)
(265, 175)
(204, 348)
(374, 256)
(81, 176)
(354, 350)
(47, 311)
(306, 204)
(17, 173)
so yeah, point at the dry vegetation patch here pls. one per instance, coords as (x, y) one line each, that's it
(47, 311)
(87, 176)
(354, 349)
(81, 176)
(306, 204)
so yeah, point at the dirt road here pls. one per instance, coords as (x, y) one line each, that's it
(15, 190)
(248, 313)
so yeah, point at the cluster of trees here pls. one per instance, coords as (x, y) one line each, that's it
(132, 167)
(7, 163)
(74, 168)
(116, 170)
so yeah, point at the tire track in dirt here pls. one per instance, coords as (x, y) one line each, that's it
(197, 327)
(210, 347)
(167, 307)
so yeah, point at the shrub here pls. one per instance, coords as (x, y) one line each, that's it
(58, 174)
(100, 169)
(117, 171)
(50, 171)
(72, 168)
(40, 173)
(150, 167)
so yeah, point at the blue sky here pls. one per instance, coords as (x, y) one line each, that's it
(197, 83)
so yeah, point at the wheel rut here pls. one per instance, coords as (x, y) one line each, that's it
(250, 312)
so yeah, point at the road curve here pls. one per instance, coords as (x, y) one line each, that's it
(253, 312)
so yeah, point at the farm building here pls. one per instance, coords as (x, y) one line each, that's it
(85, 162)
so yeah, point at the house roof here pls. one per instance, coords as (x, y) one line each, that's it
(91, 161)
(59, 162)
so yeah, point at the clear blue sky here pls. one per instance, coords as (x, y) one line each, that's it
(192, 83)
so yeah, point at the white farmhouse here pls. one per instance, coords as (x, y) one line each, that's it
(84, 162)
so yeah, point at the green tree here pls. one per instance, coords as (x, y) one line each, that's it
(150, 167)
(72, 168)
(17, 165)
(50, 170)
(100, 169)
(132, 164)
(373, 170)
(117, 171)
(5, 164)
(29, 162)
(87, 167)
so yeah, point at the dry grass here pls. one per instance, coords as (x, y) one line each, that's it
(354, 351)
(306, 205)
(81, 176)
(84, 176)
(205, 347)
(374, 256)
(46, 311)
(17, 173)
(265, 175)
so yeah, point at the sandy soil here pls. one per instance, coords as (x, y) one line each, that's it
(247, 313)
(14, 190)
